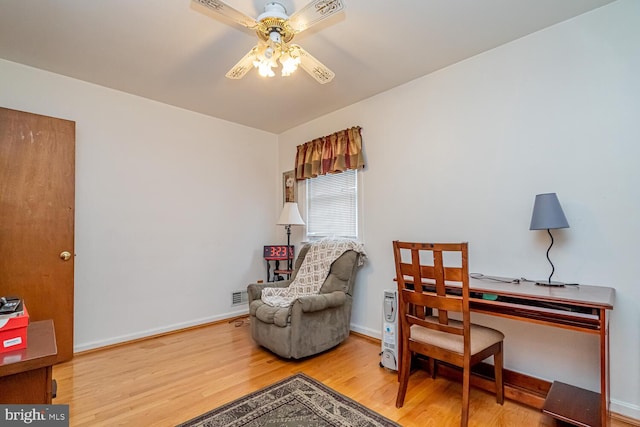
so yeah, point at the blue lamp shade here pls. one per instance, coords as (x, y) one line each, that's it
(547, 213)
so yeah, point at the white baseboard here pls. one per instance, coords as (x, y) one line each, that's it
(625, 409)
(156, 331)
(366, 331)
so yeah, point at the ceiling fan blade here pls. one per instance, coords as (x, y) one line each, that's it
(225, 10)
(244, 65)
(313, 13)
(314, 67)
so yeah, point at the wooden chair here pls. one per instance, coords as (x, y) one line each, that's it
(427, 286)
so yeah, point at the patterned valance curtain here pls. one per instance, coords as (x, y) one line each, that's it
(330, 154)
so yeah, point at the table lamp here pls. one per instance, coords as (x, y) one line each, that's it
(289, 216)
(548, 215)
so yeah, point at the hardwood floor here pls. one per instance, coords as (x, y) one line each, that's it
(167, 380)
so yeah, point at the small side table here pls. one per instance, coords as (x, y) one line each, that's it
(26, 375)
(277, 253)
(573, 405)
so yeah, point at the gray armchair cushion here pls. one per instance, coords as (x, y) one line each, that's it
(341, 271)
(322, 301)
(278, 316)
(265, 313)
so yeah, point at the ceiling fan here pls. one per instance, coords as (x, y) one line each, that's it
(275, 29)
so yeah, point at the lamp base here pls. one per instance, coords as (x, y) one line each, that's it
(549, 283)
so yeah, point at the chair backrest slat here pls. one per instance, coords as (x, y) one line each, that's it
(425, 284)
(450, 273)
(432, 300)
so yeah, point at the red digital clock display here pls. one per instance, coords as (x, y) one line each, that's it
(278, 252)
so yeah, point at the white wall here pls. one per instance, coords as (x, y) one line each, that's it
(460, 155)
(172, 206)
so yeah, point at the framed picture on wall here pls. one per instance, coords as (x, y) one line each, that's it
(289, 187)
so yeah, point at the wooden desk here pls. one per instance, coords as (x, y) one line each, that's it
(579, 308)
(26, 375)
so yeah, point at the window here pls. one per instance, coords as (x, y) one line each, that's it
(332, 205)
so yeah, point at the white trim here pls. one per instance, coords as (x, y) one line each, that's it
(157, 331)
(625, 409)
(366, 331)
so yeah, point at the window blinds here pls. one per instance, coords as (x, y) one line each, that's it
(332, 205)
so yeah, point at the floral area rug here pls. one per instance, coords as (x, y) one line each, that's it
(297, 401)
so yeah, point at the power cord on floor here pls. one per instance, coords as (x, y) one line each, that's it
(240, 321)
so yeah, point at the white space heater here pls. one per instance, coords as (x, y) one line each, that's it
(389, 355)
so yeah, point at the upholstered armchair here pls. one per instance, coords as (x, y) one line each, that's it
(312, 323)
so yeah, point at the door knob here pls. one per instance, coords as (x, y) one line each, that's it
(65, 256)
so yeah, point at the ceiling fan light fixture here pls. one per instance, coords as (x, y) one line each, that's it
(289, 64)
(264, 68)
(266, 59)
(275, 30)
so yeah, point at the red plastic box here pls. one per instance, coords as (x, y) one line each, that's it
(13, 332)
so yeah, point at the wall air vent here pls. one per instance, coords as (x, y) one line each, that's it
(239, 297)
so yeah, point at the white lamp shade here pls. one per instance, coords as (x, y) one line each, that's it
(290, 215)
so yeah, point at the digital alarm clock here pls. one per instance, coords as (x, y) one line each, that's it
(278, 252)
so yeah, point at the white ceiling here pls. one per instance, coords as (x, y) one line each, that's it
(177, 52)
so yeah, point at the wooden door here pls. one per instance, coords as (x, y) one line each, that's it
(37, 185)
